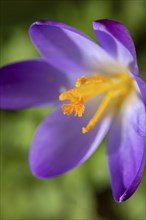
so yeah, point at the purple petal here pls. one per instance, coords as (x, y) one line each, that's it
(115, 39)
(67, 48)
(30, 83)
(126, 155)
(138, 116)
(142, 88)
(59, 144)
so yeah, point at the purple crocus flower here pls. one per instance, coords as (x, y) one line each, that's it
(103, 90)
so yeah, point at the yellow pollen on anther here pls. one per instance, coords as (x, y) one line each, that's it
(91, 79)
(114, 87)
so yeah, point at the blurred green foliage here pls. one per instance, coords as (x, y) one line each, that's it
(85, 192)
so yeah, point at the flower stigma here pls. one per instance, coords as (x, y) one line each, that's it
(114, 87)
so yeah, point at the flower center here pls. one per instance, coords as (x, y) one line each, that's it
(116, 87)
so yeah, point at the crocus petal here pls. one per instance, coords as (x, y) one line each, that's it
(142, 88)
(138, 116)
(126, 155)
(116, 40)
(59, 144)
(67, 48)
(30, 83)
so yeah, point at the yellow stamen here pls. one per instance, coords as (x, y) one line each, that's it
(98, 114)
(91, 79)
(78, 108)
(87, 89)
(117, 87)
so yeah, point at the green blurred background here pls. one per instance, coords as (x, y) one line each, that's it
(85, 192)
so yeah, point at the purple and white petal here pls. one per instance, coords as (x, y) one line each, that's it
(59, 145)
(137, 112)
(69, 49)
(116, 40)
(30, 83)
(126, 154)
(142, 87)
